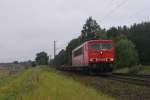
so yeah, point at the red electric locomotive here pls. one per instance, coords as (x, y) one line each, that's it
(94, 54)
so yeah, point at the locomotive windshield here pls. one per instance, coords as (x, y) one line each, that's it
(101, 46)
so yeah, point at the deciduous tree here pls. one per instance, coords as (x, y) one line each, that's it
(42, 58)
(126, 54)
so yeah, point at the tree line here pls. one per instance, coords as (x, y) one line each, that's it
(132, 43)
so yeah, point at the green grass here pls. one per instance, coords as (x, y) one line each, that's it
(122, 70)
(4, 73)
(146, 70)
(46, 84)
(143, 70)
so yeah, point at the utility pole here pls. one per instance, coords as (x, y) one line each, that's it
(54, 49)
(50, 58)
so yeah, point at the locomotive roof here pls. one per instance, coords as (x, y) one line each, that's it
(99, 40)
(90, 42)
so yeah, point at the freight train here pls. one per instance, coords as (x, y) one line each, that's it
(92, 55)
(96, 55)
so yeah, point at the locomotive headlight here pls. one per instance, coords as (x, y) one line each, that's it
(106, 59)
(111, 59)
(91, 60)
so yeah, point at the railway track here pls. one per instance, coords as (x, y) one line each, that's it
(127, 78)
(133, 79)
(143, 80)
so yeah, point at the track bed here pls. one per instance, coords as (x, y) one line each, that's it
(121, 90)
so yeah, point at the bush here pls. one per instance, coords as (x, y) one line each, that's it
(135, 69)
(126, 55)
(33, 64)
(42, 58)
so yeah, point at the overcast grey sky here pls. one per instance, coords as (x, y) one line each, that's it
(30, 26)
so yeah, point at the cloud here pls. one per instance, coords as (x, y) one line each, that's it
(30, 26)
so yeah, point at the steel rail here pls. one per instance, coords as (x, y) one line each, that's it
(139, 80)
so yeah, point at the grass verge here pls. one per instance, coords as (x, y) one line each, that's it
(140, 69)
(46, 84)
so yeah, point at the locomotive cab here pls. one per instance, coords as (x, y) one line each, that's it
(94, 54)
(101, 52)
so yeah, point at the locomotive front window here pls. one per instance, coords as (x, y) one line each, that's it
(102, 46)
(106, 46)
(96, 46)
